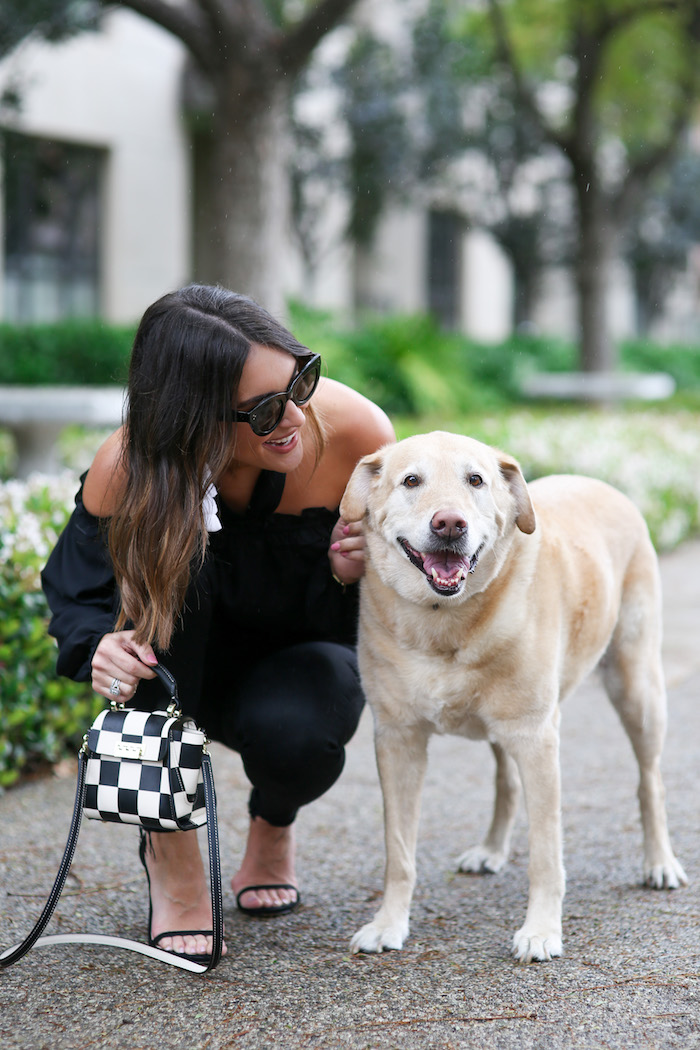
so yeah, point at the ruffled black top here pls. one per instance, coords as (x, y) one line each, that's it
(270, 573)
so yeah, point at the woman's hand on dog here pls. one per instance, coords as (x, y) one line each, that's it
(347, 551)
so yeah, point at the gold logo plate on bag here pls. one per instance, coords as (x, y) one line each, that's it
(127, 750)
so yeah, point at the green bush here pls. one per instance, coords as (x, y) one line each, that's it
(405, 363)
(7, 454)
(410, 367)
(681, 362)
(66, 353)
(41, 715)
(651, 456)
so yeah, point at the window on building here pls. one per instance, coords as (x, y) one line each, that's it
(51, 228)
(445, 230)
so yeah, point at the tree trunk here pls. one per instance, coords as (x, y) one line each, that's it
(526, 281)
(597, 237)
(241, 192)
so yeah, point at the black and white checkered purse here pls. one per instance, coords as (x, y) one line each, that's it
(146, 768)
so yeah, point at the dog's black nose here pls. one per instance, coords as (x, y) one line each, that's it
(448, 524)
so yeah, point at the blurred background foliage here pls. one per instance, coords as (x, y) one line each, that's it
(410, 366)
(406, 363)
(41, 715)
(67, 353)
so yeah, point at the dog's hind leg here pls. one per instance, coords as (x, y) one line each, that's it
(492, 854)
(633, 677)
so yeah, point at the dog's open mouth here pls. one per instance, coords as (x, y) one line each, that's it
(444, 569)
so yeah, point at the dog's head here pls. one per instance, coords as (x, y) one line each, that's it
(434, 507)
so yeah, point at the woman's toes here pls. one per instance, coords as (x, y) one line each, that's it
(267, 898)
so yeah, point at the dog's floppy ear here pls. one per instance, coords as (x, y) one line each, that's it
(511, 472)
(353, 505)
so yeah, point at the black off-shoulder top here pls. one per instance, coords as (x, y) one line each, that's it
(272, 576)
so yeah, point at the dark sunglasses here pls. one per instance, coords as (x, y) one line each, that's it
(267, 414)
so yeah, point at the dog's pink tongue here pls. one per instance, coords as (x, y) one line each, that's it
(445, 563)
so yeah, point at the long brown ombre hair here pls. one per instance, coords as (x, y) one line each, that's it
(185, 369)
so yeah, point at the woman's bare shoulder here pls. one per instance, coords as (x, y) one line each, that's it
(106, 479)
(353, 420)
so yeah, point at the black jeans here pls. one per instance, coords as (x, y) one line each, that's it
(289, 714)
(290, 719)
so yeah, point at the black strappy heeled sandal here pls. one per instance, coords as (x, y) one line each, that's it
(269, 910)
(154, 942)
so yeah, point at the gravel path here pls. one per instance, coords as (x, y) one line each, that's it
(629, 977)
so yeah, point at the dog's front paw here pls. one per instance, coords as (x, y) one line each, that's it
(379, 937)
(481, 860)
(667, 875)
(531, 945)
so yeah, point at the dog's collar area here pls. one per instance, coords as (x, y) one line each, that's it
(445, 570)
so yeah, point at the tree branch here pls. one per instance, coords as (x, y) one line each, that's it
(654, 159)
(611, 21)
(183, 20)
(300, 39)
(239, 19)
(645, 167)
(217, 15)
(506, 53)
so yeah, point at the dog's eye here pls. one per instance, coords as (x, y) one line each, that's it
(476, 481)
(411, 481)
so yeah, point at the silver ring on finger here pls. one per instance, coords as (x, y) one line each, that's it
(114, 688)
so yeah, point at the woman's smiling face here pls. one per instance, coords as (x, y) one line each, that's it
(269, 371)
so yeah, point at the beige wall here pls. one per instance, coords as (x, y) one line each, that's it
(487, 288)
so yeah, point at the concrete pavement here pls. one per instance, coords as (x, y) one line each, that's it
(629, 977)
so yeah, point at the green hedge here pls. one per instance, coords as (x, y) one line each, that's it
(405, 363)
(40, 715)
(67, 353)
(681, 362)
(410, 367)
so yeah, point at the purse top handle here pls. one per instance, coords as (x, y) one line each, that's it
(170, 684)
(168, 681)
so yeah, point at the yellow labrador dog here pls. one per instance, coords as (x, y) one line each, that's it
(485, 602)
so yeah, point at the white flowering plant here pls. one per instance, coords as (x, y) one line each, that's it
(651, 456)
(40, 714)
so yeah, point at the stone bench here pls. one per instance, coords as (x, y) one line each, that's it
(36, 415)
(603, 387)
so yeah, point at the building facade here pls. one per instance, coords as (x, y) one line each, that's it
(96, 190)
(97, 206)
